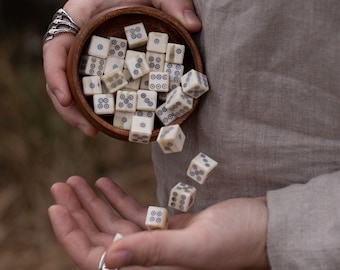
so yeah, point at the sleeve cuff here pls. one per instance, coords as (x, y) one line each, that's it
(304, 225)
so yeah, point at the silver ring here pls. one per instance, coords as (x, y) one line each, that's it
(102, 265)
(61, 23)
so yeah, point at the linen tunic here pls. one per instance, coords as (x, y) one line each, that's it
(271, 120)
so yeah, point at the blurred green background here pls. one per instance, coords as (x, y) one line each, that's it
(37, 148)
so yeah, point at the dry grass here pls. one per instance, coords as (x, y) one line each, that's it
(37, 148)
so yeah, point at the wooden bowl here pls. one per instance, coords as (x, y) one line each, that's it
(111, 23)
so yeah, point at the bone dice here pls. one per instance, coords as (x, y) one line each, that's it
(175, 71)
(156, 218)
(136, 35)
(132, 84)
(118, 47)
(126, 101)
(91, 85)
(122, 120)
(141, 129)
(114, 80)
(146, 100)
(194, 83)
(200, 167)
(171, 139)
(103, 104)
(159, 81)
(175, 53)
(165, 115)
(155, 60)
(113, 62)
(178, 103)
(182, 197)
(138, 74)
(157, 42)
(91, 65)
(146, 114)
(99, 46)
(137, 66)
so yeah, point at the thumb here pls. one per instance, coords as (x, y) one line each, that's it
(154, 248)
(182, 10)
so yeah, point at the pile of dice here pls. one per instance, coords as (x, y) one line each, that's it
(137, 87)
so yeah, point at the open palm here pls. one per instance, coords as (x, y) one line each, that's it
(229, 235)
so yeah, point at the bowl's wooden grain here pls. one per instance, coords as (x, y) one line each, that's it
(111, 23)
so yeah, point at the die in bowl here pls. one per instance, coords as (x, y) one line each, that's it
(112, 23)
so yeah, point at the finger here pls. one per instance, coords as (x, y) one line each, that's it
(156, 248)
(57, 85)
(183, 10)
(72, 238)
(124, 204)
(55, 52)
(72, 116)
(99, 212)
(55, 58)
(66, 197)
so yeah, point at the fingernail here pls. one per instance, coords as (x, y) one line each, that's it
(59, 95)
(118, 259)
(190, 16)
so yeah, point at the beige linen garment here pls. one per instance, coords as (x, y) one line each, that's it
(272, 122)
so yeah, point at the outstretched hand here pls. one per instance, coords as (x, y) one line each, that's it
(85, 225)
(56, 50)
(228, 235)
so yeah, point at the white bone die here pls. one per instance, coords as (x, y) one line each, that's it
(175, 53)
(130, 54)
(126, 101)
(137, 66)
(156, 218)
(141, 129)
(118, 47)
(144, 82)
(123, 120)
(165, 115)
(132, 84)
(155, 60)
(91, 85)
(146, 100)
(182, 197)
(194, 83)
(157, 42)
(99, 46)
(136, 35)
(91, 65)
(146, 114)
(159, 81)
(171, 139)
(114, 80)
(200, 167)
(175, 71)
(113, 62)
(178, 103)
(103, 104)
